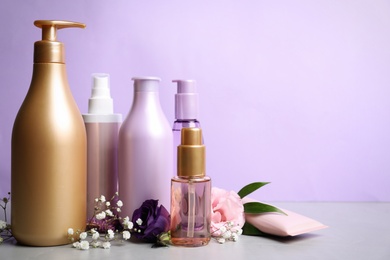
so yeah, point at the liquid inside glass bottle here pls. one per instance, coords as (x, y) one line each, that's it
(191, 211)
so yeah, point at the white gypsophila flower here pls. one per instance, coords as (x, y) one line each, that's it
(106, 245)
(101, 215)
(95, 244)
(126, 235)
(130, 225)
(139, 221)
(227, 234)
(118, 209)
(95, 235)
(1, 240)
(222, 229)
(119, 203)
(125, 220)
(3, 224)
(96, 200)
(70, 231)
(108, 203)
(84, 245)
(221, 240)
(110, 234)
(83, 235)
(127, 223)
(239, 231)
(235, 237)
(76, 245)
(109, 213)
(102, 198)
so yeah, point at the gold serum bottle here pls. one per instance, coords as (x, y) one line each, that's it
(191, 192)
(49, 152)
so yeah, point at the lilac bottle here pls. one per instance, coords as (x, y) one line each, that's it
(186, 112)
(145, 149)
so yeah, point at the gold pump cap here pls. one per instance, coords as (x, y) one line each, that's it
(191, 154)
(49, 50)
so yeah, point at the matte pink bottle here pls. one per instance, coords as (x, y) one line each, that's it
(145, 149)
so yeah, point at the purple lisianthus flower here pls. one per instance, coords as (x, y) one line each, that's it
(150, 220)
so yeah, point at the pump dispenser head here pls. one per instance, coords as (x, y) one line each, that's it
(186, 100)
(49, 50)
(191, 154)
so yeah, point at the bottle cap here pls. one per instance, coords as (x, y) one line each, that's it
(100, 101)
(186, 100)
(191, 154)
(49, 50)
(146, 84)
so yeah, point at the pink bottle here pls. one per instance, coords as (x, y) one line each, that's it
(145, 149)
(102, 126)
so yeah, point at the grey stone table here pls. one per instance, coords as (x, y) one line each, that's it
(356, 231)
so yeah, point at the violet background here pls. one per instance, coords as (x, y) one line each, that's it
(292, 92)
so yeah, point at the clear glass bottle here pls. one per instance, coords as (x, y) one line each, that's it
(191, 193)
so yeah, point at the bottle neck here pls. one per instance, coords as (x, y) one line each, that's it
(183, 123)
(147, 99)
(51, 74)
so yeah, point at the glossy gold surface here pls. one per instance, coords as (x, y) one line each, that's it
(191, 154)
(48, 182)
(49, 49)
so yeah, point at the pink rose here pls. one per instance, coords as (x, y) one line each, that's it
(226, 207)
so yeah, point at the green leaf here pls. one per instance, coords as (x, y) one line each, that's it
(257, 207)
(250, 230)
(248, 189)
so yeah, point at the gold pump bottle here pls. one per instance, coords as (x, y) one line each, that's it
(48, 157)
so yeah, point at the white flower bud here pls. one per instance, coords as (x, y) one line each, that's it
(83, 235)
(95, 244)
(101, 215)
(221, 240)
(76, 245)
(70, 231)
(109, 213)
(106, 245)
(227, 234)
(84, 245)
(126, 235)
(95, 235)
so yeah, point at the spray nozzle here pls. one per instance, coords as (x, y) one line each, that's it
(100, 101)
(186, 100)
(49, 50)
